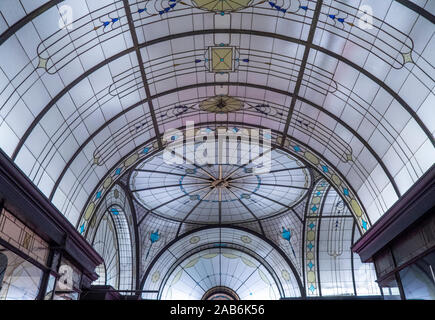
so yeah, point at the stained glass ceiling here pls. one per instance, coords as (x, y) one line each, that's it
(226, 257)
(226, 193)
(85, 84)
(216, 268)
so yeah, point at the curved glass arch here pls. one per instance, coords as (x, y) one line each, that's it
(243, 198)
(211, 268)
(293, 146)
(106, 244)
(220, 238)
(331, 269)
(71, 51)
(87, 87)
(111, 234)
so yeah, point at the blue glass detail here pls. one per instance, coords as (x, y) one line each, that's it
(82, 228)
(314, 208)
(312, 288)
(311, 225)
(198, 60)
(325, 169)
(311, 265)
(118, 171)
(304, 8)
(341, 20)
(310, 246)
(364, 224)
(98, 195)
(114, 211)
(286, 234)
(332, 16)
(154, 237)
(145, 150)
(296, 148)
(345, 191)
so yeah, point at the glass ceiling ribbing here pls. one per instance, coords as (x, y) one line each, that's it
(73, 101)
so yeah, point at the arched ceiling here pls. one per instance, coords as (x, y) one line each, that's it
(231, 257)
(229, 193)
(218, 267)
(76, 101)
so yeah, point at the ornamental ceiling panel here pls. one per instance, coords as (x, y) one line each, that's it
(84, 84)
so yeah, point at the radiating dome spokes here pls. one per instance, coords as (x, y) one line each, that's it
(219, 193)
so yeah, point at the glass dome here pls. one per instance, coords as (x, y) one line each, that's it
(219, 193)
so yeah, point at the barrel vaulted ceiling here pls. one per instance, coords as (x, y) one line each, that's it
(85, 84)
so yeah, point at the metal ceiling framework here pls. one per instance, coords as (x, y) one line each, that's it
(303, 65)
(18, 25)
(145, 189)
(141, 68)
(231, 31)
(212, 84)
(142, 236)
(145, 77)
(307, 44)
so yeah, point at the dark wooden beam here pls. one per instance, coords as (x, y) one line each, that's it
(142, 69)
(414, 204)
(416, 8)
(301, 73)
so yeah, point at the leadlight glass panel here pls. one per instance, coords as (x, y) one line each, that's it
(21, 237)
(21, 280)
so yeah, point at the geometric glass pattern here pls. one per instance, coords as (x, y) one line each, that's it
(221, 5)
(220, 267)
(221, 104)
(21, 237)
(83, 107)
(221, 59)
(216, 193)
